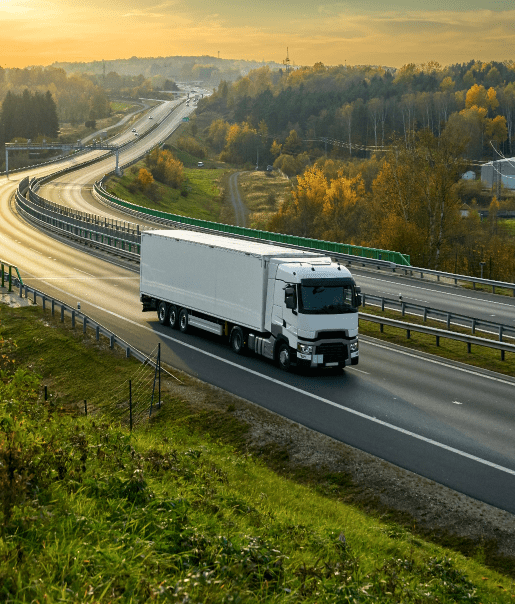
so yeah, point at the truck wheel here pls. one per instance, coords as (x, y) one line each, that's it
(237, 340)
(284, 356)
(183, 320)
(162, 312)
(173, 317)
(354, 361)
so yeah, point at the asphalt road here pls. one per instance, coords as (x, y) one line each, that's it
(451, 423)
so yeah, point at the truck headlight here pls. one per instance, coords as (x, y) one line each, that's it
(354, 346)
(304, 349)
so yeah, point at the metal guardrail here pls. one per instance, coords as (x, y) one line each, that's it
(87, 322)
(11, 280)
(439, 315)
(413, 270)
(73, 229)
(440, 333)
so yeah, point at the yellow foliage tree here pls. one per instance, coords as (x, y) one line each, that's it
(145, 178)
(340, 200)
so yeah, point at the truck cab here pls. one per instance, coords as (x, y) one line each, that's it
(312, 308)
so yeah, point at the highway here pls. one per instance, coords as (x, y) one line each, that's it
(446, 421)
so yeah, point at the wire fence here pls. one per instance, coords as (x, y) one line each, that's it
(134, 400)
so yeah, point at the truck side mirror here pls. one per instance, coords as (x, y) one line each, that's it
(290, 299)
(358, 298)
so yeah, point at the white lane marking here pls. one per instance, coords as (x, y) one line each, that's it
(84, 272)
(456, 403)
(360, 370)
(463, 369)
(314, 396)
(433, 291)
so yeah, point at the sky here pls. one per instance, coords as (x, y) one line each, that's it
(353, 32)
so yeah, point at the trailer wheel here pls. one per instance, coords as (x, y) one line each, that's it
(284, 356)
(173, 317)
(237, 340)
(183, 320)
(162, 312)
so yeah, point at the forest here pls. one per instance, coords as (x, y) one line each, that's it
(376, 156)
(76, 97)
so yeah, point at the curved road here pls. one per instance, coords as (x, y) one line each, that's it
(451, 423)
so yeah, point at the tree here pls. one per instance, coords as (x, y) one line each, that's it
(339, 208)
(415, 204)
(145, 179)
(302, 215)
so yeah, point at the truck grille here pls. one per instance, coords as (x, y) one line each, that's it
(332, 351)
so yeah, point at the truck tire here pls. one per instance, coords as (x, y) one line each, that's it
(183, 320)
(162, 312)
(284, 356)
(354, 361)
(173, 316)
(237, 340)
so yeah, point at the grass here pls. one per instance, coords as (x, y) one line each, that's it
(201, 195)
(479, 356)
(179, 510)
(262, 193)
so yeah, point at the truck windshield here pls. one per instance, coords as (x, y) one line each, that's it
(326, 299)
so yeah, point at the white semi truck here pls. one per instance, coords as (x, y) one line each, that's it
(291, 306)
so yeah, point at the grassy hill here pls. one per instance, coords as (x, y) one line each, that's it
(185, 508)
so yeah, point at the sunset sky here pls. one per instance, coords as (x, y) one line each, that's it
(392, 33)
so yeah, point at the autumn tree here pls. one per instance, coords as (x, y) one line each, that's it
(165, 167)
(415, 205)
(339, 212)
(301, 214)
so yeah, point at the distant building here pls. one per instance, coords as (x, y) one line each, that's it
(499, 171)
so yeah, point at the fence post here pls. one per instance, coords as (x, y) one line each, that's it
(84, 324)
(425, 314)
(159, 361)
(97, 332)
(130, 405)
(111, 341)
(73, 318)
(448, 321)
(382, 304)
(62, 313)
(500, 333)
(473, 328)
(408, 334)
(85, 407)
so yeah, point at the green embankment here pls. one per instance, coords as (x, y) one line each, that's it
(199, 196)
(180, 510)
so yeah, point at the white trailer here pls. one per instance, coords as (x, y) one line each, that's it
(292, 306)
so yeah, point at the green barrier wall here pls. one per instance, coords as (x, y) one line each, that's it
(317, 244)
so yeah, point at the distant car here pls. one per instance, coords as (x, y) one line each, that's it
(134, 129)
(150, 117)
(200, 164)
(136, 134)
(269, 168)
